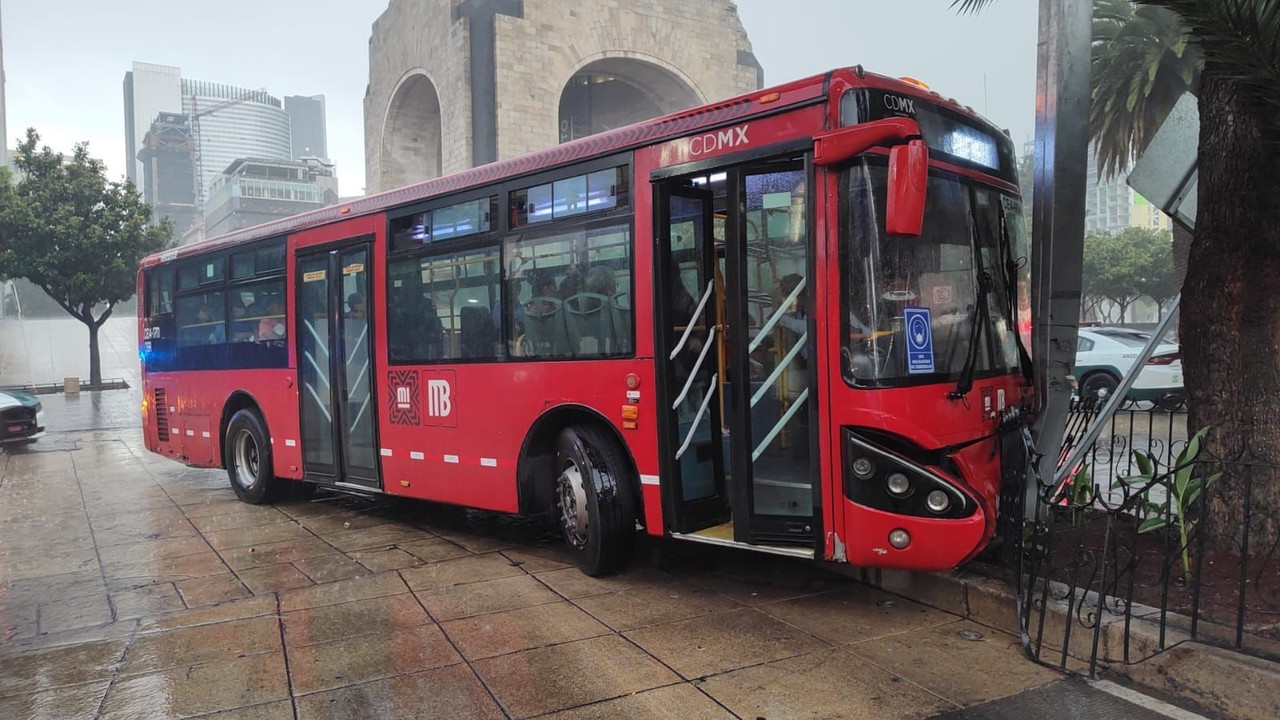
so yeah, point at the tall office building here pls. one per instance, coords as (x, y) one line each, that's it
(148, 91)
(233, 123)
(1111, 205)
(306, 118)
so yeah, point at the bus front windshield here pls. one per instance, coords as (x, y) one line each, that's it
(913, 307)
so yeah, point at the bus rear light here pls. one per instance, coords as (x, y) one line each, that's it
(899, 538)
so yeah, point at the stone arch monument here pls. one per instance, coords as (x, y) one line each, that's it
(459, 83)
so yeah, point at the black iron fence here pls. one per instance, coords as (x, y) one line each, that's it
(1145, 542)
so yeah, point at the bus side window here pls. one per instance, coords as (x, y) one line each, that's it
(441, 307)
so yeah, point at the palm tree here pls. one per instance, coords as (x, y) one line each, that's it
(1230, 324)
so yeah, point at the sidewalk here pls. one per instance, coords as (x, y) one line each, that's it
(131, 586)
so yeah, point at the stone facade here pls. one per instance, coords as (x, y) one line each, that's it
(427, 113)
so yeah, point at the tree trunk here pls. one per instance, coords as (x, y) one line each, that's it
(95, 361)
(1231, 308)
(1182, 238)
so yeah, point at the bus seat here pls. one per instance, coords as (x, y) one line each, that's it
(620, 313)
(589, 324)
(544, 326)
(477, 332)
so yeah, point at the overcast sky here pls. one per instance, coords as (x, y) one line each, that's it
(65, 60)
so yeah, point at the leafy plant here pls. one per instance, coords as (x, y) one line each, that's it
(1183, 490)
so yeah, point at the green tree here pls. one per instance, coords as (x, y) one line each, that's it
(77, 235)
(1231, 295)
(1125, 266)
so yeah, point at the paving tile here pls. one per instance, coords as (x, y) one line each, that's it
(749, 590)
(334, 520)
(47, 561)
(124, 575)
(279, 710)
(58, 667)
(277, 552)
(151, 600)
(447, 692)
(18, 622)
(457, 601)
(463, 570)
(62, 615)
(717, 643)
(573, 583)
(211, 590)
(484, 636)
(475, 542)
(29, 591)
(962, 670)
(378, 536)
(673, 702)
(385, 559)
(330, 568)
(256, 535)
(81, 701)
(370, 586)
(161, 549)
(541, 559)
(234, 521)
(212, 507)
(359, 617)
(828, 684)
(644, 605)
(112, 530)
(273, 578)
(565, 676)
(70, 638)
(223, 612)
(434, 549)
(202, 643)
(856, 614)
(329, 665)
(197, 689)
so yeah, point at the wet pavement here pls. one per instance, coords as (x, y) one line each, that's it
(131, 586)
(134, 587)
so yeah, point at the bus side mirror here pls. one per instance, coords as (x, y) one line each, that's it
(908, 178)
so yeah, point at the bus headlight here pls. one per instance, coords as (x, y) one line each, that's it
(863, 468)
(938, 501)
(899, 538)
(900, 485)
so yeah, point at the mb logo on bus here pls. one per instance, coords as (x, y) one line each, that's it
(440, 397)
(438, 402)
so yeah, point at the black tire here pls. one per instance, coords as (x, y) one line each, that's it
(246, 452)
(592, 474)
(1099, 386)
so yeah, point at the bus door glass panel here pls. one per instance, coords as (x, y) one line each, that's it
(355, 368)
(314, 366)
(688, 291)
(779, 345)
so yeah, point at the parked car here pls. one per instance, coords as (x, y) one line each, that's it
(21, 417)
(1105, 354)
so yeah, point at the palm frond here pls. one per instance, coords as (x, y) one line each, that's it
(1240, 40)
(971, 6)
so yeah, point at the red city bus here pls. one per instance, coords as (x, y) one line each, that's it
(786, 321)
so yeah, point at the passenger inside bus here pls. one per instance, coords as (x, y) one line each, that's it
(271, 326)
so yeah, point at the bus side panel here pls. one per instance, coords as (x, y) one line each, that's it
(196, 400)
(454, 434)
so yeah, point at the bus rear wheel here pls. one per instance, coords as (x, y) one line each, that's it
(247, 456)
(594, 502)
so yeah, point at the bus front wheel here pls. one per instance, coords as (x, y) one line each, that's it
(247, 455)
(594, 503)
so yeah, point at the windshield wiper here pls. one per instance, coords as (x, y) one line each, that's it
(981, 317)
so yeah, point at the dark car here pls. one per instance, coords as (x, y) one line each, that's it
(21, 417)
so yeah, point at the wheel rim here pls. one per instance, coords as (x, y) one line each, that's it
(246, 459)
(574, 515)
(1098, 389)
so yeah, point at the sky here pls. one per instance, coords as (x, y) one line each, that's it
(65, 60)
